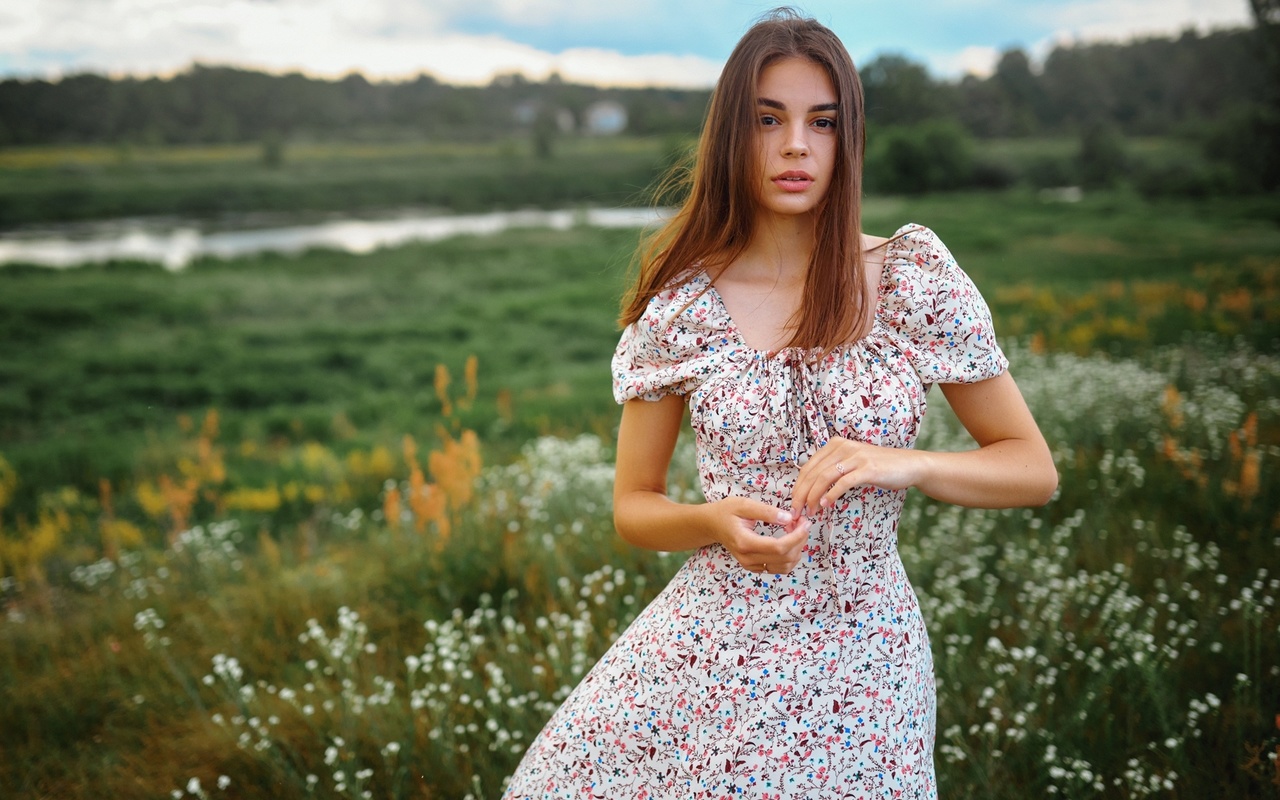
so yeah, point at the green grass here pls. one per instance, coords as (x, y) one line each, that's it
(1116, 643)
(1024, 150)
(1004, 238)
(70, 183)
(97, 360)
(66, 184)
(1160, 329)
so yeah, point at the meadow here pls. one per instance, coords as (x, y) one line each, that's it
(339, 526)
(52, 184)
(60, 183)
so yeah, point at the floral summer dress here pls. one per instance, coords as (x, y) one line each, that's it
(814, 684)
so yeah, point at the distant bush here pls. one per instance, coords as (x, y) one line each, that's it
(1048, 172)
(1247, 141)
(272, 150)
(1182, 179)
(931, 156)
(989, 174)
(1102, 159)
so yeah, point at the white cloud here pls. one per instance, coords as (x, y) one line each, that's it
(609, 68)
(397, 38)
(980, 61)
(1094, 20)
(380, 38)
(544, 12)
(1079, 21)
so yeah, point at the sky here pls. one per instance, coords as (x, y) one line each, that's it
(679, 43)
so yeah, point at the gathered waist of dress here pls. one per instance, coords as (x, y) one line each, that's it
(853, 583)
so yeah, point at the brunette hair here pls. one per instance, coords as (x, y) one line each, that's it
(715, 221)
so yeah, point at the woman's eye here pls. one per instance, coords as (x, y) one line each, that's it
(824, 122)
(768, 119)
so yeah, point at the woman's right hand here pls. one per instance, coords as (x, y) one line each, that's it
(646, 517)
(733, 524)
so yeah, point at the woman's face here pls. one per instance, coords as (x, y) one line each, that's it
(796, 133)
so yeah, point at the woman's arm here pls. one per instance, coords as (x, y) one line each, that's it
(646, 517)
(1012, 465)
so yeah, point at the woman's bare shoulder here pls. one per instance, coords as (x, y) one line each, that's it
(873, 251)
(870, 242)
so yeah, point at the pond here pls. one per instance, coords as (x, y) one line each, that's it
(176, 243)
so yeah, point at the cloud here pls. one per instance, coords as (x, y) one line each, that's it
(621, 42)
(958, 37)
(1080, 21)
(609, 68)
(380, 38)
(552, 12)
(1092, 20)
(977, 60)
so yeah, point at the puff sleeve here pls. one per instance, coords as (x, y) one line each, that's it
(940, 319)
(670, 349)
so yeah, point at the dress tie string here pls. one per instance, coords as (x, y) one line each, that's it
(813, 430)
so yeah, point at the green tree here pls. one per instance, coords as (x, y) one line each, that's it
(899, 92)
(1266, 17)
(545, 131)
(1021, 92)
(932, 156)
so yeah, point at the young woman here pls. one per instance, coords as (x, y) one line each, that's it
(788, 657)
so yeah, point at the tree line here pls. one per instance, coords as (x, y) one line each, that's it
(1152, 86)
(1220, 89)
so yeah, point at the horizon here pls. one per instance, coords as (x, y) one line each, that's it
(630, 45)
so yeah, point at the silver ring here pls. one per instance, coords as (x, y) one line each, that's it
(839, 467)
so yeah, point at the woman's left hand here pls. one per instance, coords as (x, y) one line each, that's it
(842, 464)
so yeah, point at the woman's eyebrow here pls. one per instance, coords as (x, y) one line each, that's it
(764, 101)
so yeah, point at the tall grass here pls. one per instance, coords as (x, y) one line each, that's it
(95, 363)
(1120, 642)
(300, 600)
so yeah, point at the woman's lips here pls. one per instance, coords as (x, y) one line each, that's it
(793, 180)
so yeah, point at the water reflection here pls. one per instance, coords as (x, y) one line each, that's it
(176, 245)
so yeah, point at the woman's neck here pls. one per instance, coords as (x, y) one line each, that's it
(779, 249)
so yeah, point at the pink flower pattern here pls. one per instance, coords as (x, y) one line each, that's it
(815, 684)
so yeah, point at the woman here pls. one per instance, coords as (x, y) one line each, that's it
(788, 657)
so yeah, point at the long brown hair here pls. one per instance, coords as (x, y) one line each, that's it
(716, 220)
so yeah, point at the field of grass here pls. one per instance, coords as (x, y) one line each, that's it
(265, 526)
(59, 184)
(52, 184)
(100, 360)
(1021, 151)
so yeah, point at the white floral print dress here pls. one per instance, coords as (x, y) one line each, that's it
(814, 684)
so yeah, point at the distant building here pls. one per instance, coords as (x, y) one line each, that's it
(605, 118)
(526, 112)
(564, 120)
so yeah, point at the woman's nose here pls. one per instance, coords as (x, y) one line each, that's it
(797, 144)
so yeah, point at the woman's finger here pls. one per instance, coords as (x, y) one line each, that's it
(832, 461)
(757, 511)
(811, 488)
(753, 551)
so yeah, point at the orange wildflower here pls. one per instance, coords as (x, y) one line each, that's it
(391, 508)
(442, 390)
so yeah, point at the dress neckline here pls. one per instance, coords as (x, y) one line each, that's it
(732, 326)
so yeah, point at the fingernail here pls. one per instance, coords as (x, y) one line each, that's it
(784, 518)
(824, 502)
